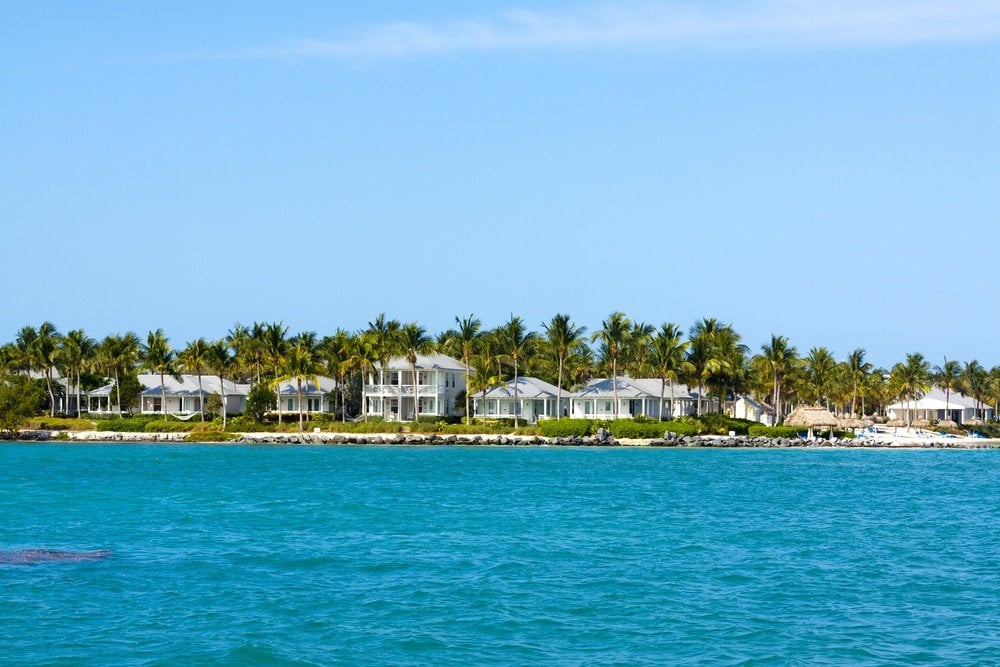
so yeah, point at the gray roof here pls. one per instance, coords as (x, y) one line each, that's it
(187, 386)
(290, 387)
(433, 361)
(635, 388)
(527, 387)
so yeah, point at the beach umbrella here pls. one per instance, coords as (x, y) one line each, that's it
(895, 422)
(921, 422)
(811, 417)
(947, 423)
(973, 421)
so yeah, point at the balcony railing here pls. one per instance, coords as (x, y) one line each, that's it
(402, 390)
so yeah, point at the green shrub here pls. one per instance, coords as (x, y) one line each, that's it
(566, 428)
(760, 430)
(682, 426)
(633, 428)
(136, 424)
(167, 426)
(60, 424)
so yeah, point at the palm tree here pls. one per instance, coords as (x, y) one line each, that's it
(44, 356)
(300, 364)
(857, 369)
(239, 341)
(947, 376)
(159, 358)
(24, 346)
(779, 355)
(194, 359)
(77, 352)
(731, 353)
(335, 353)
(465, 338)
(383, 336)
(276, 344)
(912, 378)
(414, 341)
(702, 353)
(484, 377)
(974, 381)
(219, 361)
(820, 368)
(119, 354)
(518, 343)
(668, 359)
(636, 349)
(614, 335)
(563, 339)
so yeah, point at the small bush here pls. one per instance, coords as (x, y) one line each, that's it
(760, 430)
(682, 426)
(167, 426)
(631, 428)
(136, 424)
(60, 424)
(566, 428)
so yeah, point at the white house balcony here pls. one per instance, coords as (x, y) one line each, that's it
(402, 390)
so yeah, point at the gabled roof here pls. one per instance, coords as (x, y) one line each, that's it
(528, 388)
(290, 387)
(935, 399)
(433, 361)
(635, 388)
(187, 386)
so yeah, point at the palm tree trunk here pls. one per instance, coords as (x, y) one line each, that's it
(614, 382)
(163, 396)
(222, 392)
(663, 381)
(416, 393)
(201, 398)
(79, 381)
(516, 422)
(298, 393)
(52, 393)
(671, 399)
(468, 417)
(118, 392)
(559, 389)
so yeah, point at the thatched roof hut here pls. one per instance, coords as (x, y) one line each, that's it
(811, 417)
(854, 423)
(947, 424)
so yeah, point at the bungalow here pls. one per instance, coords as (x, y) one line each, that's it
(636, 396)
(536, 399)
(936, 406)
(389, 392)
(746, 408)
(181, 397)
(315, 398)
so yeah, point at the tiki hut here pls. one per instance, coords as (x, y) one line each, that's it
(811, 417)
(852, 423)
(947, 424)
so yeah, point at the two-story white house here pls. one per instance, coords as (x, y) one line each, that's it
(391, 392)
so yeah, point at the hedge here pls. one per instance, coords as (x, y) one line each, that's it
(566, 428)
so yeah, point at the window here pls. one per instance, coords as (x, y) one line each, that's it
(290, 407)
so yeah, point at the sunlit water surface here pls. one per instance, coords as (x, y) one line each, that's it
(401, 555)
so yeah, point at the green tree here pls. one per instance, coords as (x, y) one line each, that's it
(947, 376)
(119, 354)
(414, 341)
(158, 357)
(563, 338)
(857, 369)
(20, 399)
(194, 360)
(668, 357)
(517, 343)
(383, 337)
(780, 355)
(44, 354)
(703, 353)
(77, 351)
(820, 368)
(219, 362)
(260, 400)
(465, 339)
(300, 365)
(613, 335)
(276, 345)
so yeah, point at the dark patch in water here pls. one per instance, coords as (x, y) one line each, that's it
(33, 556)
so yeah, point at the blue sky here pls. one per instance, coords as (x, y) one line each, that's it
(825, 170)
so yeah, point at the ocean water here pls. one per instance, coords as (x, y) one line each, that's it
(460, 556)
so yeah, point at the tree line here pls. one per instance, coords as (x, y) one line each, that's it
(710, 356)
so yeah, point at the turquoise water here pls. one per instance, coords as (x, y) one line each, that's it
(383, 555)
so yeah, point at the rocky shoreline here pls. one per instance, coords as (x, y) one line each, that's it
(432, 439)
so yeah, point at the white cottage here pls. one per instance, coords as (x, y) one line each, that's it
(636, 396)
(391, 392)
(536, 399)
(936, 406)
(316, 398)
(746, 408)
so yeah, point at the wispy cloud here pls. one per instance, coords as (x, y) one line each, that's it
(672, 24)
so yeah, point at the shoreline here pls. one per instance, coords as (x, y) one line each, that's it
(494, 440)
